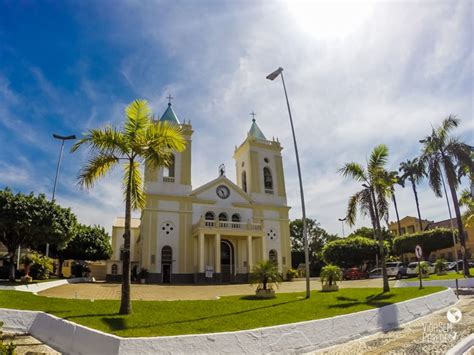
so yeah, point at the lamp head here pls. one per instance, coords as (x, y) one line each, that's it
(275, 74)
(64, 138)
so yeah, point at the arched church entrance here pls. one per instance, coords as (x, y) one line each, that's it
(227, 261)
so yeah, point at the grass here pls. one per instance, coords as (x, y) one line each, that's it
(449, 276)
(156, 318)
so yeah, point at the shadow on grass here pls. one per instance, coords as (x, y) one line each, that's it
(119, 323)
(377, 301)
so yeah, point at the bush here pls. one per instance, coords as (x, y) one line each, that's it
(429, 241)
(266, 274)
(440, 266)
(351, 252)
(5, 349)
(424, 269)
(291, 274)
(41, 266)
(331, 274)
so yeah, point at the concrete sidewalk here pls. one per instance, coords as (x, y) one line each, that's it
(186, 292)
(432, 334)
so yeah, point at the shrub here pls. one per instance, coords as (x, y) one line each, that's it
(41, 267)
(79, 269)
(440, 266)
(291, 274)
(266, 274)
(5, 349)
(424, 269)
(331, 274)
(143, 273)
(429, 241)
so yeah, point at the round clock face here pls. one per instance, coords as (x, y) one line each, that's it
(222, 191)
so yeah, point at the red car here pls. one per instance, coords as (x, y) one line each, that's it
(354, 274)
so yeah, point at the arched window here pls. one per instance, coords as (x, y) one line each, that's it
(168, 171)
(223, 217)
(236, 217)
(273, 256)
(114, 269)
(244, 181)
(166, 255)
(209, 216)
(268, 180)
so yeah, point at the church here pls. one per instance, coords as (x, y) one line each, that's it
(215, 233)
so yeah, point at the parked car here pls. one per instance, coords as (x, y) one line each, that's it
(353, 274)
(411, 268)
(396, 269)
(375, 273)
(452, 265)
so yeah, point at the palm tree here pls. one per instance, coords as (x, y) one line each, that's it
(140, 140)
(372, 199)
(443, 153)
(392, 179)
(413, 171)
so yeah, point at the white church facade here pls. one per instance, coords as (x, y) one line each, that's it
(217, 232)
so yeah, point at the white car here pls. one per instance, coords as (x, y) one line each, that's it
(375, 273)
(411, 268)
(396, 269)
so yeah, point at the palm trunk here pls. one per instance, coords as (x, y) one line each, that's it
(413, 185)
(462, 236)
(386, 286)
(125, 302)
(11, 274)
(396, 212)
(374, 227)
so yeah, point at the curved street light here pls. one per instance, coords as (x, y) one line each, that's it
(272, 76)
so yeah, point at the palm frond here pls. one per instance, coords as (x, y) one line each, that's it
(378, 158)
(138, 118)
(434, 175)
(354, 170)
(132, 178)
(107, 140)
(351, 214)
(97, 167)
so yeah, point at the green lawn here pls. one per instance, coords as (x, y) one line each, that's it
(449, 276)
(154, 318)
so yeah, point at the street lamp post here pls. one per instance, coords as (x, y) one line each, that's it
(58, 166)
(273, 76)
(342, 223)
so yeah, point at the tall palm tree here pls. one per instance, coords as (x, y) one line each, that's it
(444, 153)
(413, 171)
(372, 199)
(392, 179)
(140, 140)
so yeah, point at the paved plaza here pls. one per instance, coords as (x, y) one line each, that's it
(432, 335)
(101, 290)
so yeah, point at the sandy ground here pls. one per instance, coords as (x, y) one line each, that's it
(101, 290)
(432, 334)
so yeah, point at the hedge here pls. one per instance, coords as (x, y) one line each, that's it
(350, 252)
(431, 240)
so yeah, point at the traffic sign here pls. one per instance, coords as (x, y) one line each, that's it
(418, 252)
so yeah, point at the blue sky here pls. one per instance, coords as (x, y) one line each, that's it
(358, 74)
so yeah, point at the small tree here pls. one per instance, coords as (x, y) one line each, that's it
(331, 274)
(440, 266)
(90, 243)
(266, 274)
(29, 220)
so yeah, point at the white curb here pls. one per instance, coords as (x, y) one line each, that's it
(462, 283)
(41, 286)
(299, 337)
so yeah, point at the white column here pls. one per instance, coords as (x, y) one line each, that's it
(201, 252)
(217, 253)
(249, 254)
(264, 248)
